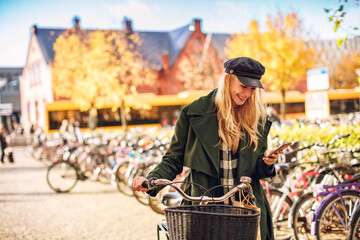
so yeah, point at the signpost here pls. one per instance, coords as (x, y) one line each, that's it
(316, 97)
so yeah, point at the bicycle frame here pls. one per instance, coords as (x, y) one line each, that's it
(338, 191)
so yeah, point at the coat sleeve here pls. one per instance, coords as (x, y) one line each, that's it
(173, 160)
(263, 170)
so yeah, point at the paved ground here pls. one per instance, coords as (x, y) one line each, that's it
(29, 209)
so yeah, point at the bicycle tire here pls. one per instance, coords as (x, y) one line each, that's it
(122, 179)
(142, 197)
(281, 228)
(62, 176)
(300, 209)
(354, 232)
(328, 226)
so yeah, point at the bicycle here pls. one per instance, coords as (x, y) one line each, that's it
(293, 183)
(302, 211)
(210, 221)
(331, 218)
(74, 164)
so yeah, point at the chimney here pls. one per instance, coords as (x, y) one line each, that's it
(197, 24)
(34, 29)
(165, 61)
(127, 22)
(76, 22)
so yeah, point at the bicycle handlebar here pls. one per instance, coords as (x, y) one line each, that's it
(244, 185)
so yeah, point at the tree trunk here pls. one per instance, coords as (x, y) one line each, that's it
(283, 104)
(123, 117)
(92, 122)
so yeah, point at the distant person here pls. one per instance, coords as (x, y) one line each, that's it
(38, 135)
(4, 149)
(32, 128)
(64, 126)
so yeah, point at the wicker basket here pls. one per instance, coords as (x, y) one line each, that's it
(212, 222)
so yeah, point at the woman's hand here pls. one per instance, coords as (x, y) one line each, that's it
(270, 157)
(136, 184)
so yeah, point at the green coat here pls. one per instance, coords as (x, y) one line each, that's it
(195, 145)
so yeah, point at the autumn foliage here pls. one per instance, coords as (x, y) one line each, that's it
(345, 72)
(99, 68)
(282, 49)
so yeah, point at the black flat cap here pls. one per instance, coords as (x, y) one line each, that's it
(247, 70)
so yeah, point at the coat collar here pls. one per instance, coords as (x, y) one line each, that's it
(204, 123)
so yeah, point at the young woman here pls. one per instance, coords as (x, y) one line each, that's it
(223, 136)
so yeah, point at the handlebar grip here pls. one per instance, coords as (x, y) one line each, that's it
(145, 184)
(149, 183)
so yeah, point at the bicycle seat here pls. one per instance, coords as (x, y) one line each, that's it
(355, 162)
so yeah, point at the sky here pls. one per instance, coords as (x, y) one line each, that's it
(219, 16)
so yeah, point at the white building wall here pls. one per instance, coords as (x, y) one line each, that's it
(35, 87)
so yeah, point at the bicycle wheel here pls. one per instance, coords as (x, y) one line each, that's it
(142, 197)
(354, 233)
(62, 176)
(299, 212)
(281, 228)
(333, 217)
(122, 177)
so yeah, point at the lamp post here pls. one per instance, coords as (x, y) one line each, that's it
(357, 71)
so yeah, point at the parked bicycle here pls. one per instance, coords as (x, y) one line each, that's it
(302, 211)
(292, 181)
(74, 163)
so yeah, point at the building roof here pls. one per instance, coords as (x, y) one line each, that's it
(154, 43)
(46, 38)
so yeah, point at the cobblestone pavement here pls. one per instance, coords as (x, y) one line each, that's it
(29, 209)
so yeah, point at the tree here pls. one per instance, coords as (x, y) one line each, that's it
(337, 16)
(99, 68)
(280, 47)
(345, 72)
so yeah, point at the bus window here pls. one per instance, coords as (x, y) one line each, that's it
(142, 116)
(296, 107)
(56, 117)
(106, 117)
(344, 106)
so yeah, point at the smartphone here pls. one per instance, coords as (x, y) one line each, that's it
(282, 147)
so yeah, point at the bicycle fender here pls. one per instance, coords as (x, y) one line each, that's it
(323, 202)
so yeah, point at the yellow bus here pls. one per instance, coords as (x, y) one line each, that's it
(165, 108)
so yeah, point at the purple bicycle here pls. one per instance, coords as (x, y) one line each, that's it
(331, 218)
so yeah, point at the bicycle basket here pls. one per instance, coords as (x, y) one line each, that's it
(212, 222)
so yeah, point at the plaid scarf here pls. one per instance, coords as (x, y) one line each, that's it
(228, 170)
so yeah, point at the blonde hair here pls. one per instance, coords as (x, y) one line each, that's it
(239, 122)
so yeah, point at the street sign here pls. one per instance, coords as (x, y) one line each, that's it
(317, 79)
(317, 105)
